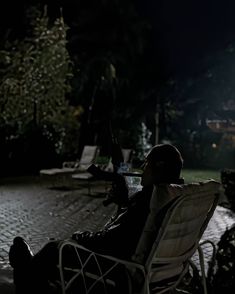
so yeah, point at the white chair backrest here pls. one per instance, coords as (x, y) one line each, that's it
(88, 157)
(182, 226)
(127, 153)
(88, 154)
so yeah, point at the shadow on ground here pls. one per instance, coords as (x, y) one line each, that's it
(6, 281)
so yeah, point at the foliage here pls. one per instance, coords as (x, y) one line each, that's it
(228, 182)
(206, 95)
(104, 35)
(143, 145)
(35, 76)
(223, 279)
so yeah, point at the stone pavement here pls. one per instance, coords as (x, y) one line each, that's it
(222, 219)
(37, 213)
(29, 208)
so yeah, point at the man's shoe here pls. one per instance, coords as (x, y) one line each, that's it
(20, 253)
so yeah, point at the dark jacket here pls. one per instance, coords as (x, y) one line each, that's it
(120, 235)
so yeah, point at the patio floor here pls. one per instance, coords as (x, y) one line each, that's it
(29, 208)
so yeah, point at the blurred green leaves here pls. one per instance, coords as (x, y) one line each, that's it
(35, 78)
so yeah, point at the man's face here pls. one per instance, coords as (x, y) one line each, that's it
(148, 175)
(152, 174)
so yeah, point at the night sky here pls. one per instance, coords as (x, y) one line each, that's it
(184, 32)
(189, 31)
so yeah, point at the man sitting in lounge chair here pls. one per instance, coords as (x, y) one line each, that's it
(163, 165)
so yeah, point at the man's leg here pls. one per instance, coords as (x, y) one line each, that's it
(43, 269)
(33, 273)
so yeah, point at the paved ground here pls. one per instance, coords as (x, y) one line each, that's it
(30, 209)
(34, 209)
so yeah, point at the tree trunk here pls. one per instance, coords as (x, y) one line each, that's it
(157, 125)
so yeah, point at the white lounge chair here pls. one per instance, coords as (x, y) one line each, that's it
(88, 156)
(162, 257)
(59, 176)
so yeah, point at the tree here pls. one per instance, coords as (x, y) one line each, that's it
(35, 80)
(104, 35)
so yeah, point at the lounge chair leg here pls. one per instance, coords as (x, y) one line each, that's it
(89, 188)
(202, 265)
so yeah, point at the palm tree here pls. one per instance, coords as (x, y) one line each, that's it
(107, 41)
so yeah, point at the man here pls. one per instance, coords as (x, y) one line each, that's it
(163, 165)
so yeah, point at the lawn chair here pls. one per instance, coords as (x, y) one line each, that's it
(157, 266)
(127, 155)
(88, 156)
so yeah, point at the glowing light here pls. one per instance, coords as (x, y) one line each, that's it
(214, 145)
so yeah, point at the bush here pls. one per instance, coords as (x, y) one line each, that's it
(34, 83)
(224, 278)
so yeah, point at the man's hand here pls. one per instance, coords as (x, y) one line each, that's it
(119, 192)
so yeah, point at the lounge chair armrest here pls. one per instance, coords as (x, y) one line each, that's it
(74, 244)
(83, 257)
(70, 164)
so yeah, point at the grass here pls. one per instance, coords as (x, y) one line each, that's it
(197, 175)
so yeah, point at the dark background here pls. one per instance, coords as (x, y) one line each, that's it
(187, 63)
(184, 32)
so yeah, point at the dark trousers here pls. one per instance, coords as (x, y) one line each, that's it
(36, 277)
(42, 274)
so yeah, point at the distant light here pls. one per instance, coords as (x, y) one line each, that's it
(214, 145)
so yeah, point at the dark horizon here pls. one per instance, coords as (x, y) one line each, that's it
(183, 33)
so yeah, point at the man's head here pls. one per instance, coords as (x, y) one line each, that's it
(163, 164)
